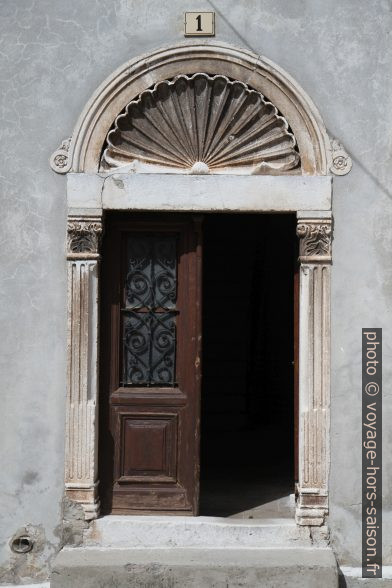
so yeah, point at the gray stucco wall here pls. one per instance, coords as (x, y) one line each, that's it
(53, 54)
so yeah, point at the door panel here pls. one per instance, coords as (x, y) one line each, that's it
(148, 447)
(149, 454)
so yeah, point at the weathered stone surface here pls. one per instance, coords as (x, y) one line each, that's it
(243, 67)
(90, 193)
(201, 119)
(195, 568)
(81, 442)
(217, 193)
(162, 532)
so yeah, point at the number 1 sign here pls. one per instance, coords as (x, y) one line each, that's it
(199, 23)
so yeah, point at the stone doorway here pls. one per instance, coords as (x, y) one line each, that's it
(287, 170)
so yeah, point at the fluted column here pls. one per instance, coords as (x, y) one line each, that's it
(82, 395)
(314, 368)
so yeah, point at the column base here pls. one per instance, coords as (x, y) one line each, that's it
(311, 517)
(86, 496)
(312, 507)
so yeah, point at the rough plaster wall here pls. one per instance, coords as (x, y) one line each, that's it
(53, 56)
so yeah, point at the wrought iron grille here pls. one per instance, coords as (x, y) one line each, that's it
(149, 315)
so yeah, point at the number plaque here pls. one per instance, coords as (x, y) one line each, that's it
(199, 24)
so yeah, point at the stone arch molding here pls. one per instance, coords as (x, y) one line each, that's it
(297, 125)
(228, 120)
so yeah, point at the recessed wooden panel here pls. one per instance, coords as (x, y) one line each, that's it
(148, 448)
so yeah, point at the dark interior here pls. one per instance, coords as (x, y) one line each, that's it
(247, 436)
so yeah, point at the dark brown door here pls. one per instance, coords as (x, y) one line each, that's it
(149, 441)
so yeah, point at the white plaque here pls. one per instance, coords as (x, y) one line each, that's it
(199, 24)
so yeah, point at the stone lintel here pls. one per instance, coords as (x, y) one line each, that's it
(212, 192)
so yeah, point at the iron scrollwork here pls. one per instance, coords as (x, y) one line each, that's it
(150, 311)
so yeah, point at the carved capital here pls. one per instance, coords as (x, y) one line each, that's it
(60, 161)
(341, 162)
(315, 237)
(84, 236)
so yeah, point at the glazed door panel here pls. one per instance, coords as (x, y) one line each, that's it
(149, 442)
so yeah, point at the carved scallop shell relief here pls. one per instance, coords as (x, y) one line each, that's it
(202, 124)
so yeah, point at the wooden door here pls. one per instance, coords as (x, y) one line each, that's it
(149, 441)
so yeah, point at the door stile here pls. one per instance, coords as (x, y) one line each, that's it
(196, 283)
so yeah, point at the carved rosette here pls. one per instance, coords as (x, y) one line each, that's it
(84, 236)
(341, 161)
(315, 236)
(60, 161)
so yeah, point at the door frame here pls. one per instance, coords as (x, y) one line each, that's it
(314, 229)
(90, 193)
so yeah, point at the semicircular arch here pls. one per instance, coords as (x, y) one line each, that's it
(83, 152)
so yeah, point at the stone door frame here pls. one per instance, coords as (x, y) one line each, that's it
(90, 193)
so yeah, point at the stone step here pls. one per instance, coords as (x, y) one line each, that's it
(183, 532)
(195, 568)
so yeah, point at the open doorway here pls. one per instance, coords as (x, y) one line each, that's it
(248, 401)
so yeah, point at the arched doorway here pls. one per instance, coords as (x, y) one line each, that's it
(291, 175)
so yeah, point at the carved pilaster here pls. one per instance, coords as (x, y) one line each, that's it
(314, 369)
(82, 397)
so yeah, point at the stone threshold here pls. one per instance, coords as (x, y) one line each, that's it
(163, 532)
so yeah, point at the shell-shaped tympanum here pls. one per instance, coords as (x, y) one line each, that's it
(203, 124)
